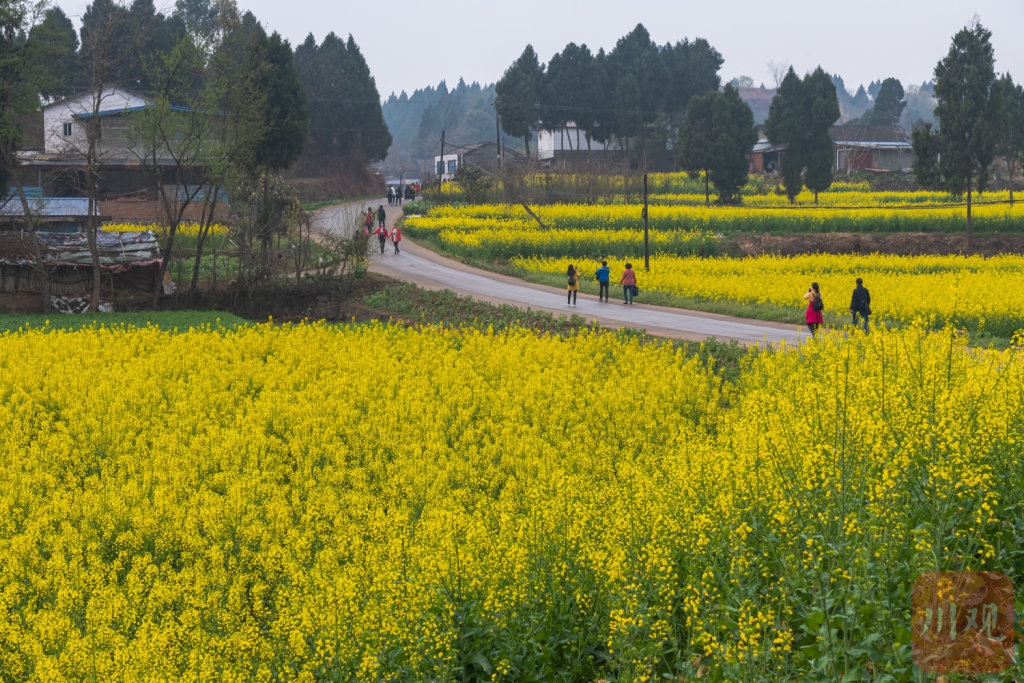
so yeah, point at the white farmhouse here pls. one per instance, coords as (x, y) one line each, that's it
(64, 122)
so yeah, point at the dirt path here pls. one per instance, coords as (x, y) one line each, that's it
(427, 269)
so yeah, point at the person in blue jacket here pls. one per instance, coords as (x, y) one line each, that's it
(603, 275)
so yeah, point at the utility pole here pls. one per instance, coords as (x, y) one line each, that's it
(647, 255)
(497, 132)
(440, 169)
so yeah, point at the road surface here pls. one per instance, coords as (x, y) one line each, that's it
(427, 269)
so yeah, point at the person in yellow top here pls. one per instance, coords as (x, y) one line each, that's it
(573, 286)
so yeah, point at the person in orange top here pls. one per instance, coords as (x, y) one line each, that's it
(628, 282)
(396, 237)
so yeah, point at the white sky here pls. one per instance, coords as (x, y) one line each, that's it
(410, 45)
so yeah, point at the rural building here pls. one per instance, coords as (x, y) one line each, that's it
(50, 214)
(64, 123)
(129, 261)
(59, 167)
(483, 155)
(764, 156)
(871, 148)
(855, 148)
(568, 146)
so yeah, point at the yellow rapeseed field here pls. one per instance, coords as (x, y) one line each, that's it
(184, 229)
(976, 292)
(381, 503)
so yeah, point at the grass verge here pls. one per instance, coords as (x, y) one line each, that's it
(168, 320)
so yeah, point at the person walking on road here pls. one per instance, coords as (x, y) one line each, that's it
(368, 222)
(396, 237)
(382, 216)
(815, 305)
(391, 195)
(573, 286)
(628, 282)
(860, 303)
(603, 275)
(382, 235)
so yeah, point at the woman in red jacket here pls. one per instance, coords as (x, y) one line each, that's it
(396, 237)
(815, 306)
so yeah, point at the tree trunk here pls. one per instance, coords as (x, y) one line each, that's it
(1012, 168)
(206, 221)
(37, 252)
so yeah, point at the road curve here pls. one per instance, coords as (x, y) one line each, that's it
(427, 269)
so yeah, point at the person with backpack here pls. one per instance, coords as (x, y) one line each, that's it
(382, 235)
(573, 284)
(815, 305)
(860, 303)
(603, 275)
(628, 282)
(368, 221)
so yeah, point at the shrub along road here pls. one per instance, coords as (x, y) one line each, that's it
(429, 270)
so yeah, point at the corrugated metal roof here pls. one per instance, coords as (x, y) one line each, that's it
(128, 110)
(50, 207)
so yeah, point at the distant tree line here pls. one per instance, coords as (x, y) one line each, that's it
(613, 97)
(672, 92)
(230, 107)
(320, 96)
(466, 113)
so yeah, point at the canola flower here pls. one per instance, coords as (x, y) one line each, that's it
(270, 503)
(906, 217)
(971, 291)
(841, 198)
(188, 229)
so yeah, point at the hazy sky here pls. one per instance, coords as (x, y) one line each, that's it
(410, 45)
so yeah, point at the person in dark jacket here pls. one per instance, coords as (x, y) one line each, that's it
(860, 303)
(382, 216)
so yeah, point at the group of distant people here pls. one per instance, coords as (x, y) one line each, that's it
(396, 194)
(382, 233)
(603, 277)
(860, 302)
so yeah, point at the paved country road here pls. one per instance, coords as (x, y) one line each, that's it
(427, 269)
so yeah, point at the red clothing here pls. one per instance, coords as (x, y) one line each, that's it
(813, 316)
(396, 234)
(628, 278)
(381, 233)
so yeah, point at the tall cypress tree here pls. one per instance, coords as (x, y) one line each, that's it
(518, 94)
(346, 122)
(822, 111)
(957, 157)
(1008, 99)
(799, 118)
(784, 127)
(716, 137)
